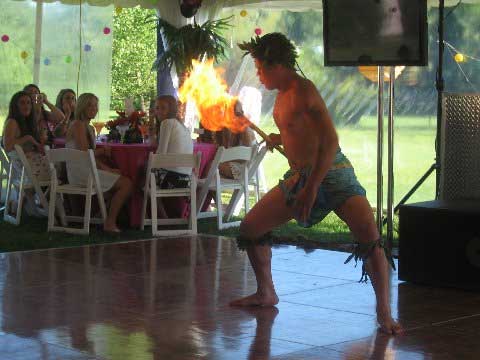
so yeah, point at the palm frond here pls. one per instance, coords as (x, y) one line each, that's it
(191, 42)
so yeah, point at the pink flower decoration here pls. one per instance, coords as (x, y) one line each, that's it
(258, 31)
(5, 38)
(106, 30)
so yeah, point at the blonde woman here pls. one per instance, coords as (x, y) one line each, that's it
(81, 136)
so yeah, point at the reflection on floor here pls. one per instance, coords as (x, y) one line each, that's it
(168, 299)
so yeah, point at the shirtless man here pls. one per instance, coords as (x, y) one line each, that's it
(320, 180)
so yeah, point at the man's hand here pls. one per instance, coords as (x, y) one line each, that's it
(304, 201)
(272, 140)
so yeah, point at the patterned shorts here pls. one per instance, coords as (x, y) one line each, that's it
(339, 184)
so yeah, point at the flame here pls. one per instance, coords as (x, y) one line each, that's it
(214, 106)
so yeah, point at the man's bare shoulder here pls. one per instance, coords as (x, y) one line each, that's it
(305, 88)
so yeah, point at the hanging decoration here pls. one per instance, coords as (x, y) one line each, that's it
(243, 13)
(24, 54)
(47, 61)
(118, 10)
(258, 31)
(68, 59)
(87, 47)
(459, 57)
(5, 38)
(106, 30)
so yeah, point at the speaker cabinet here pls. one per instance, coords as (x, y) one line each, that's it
(439, 243)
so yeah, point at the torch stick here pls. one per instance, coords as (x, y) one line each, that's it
(265, 136)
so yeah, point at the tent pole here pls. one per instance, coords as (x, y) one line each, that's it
(380, 151)
(440, 85)
(390, 150)
(38, 41)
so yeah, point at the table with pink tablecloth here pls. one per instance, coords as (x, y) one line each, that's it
(132, 160)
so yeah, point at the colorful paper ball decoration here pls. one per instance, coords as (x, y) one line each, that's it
(459, 58)
(46, 61)
(5, 38)
(87, 47)
(68, 59)
(258, 31)
(106, 30)
(24, 54)
(243, 13)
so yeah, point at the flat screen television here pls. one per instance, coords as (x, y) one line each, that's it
(375, 32)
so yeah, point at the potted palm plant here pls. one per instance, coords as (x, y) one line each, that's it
(192, 41)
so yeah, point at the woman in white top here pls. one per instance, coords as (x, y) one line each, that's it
(81, 136)
(173, 138)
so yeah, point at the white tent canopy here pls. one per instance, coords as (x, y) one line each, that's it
(293, 5)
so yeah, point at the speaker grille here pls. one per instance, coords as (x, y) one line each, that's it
(460, 155)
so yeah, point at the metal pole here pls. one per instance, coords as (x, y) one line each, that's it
(390, 179)
(440, 86)
(38, 41)
(380, 151)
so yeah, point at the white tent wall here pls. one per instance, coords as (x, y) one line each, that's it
(48, 48)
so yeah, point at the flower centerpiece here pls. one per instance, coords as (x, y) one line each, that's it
(126, 128)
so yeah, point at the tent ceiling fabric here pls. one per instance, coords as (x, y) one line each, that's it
(293, 5)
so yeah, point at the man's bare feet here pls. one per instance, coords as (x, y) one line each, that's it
(257, 299)
(387, 324)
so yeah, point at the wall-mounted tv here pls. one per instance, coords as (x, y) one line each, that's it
(375, 32)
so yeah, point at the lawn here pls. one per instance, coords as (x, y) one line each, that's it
(414, 153)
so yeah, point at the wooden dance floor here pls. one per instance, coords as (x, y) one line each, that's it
(168, 299)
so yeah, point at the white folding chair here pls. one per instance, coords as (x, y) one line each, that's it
(4, 168)
(234, 206)
(214, 182)
(152, 192)
(26, 181)
(86, 159)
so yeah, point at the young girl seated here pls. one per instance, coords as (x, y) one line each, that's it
(46, 121)
(20, 129)
(66, 101)
(81, 136)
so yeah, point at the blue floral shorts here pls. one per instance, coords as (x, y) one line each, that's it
(339, 184)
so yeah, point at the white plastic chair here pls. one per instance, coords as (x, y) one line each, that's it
(4, 168)
(214, 182)
(93, 187)
(234, 206)
(26, 181)
(152, 191)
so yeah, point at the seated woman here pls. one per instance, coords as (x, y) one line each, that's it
(66, 101)
(81, 136)
(46, 120)
(20, 129)
(174, 137)
(232, 169)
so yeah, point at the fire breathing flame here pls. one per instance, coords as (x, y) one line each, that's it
(215, 107)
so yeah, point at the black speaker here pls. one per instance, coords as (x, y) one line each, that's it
(439, 243)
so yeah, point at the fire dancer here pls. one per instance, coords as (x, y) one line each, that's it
(321, 179)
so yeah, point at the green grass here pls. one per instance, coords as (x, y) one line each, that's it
(414, 153)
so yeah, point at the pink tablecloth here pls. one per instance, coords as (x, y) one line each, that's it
(132, 159)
